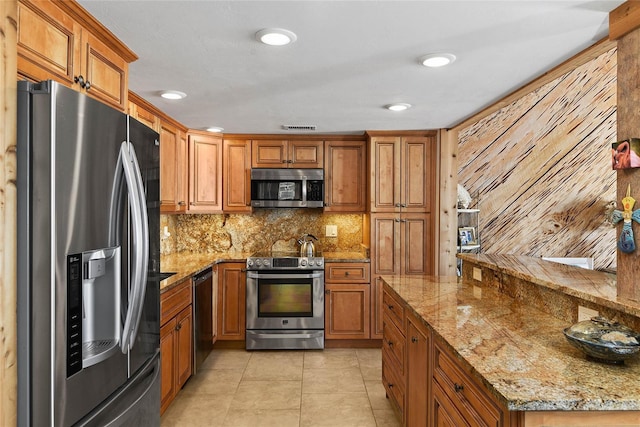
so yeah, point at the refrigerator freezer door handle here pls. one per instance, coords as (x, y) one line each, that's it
(139, 261)
(144, 244)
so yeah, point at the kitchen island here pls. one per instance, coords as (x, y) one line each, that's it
(511, 345)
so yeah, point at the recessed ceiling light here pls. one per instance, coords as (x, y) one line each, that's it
(435, 60)
(215, 129)
(276, 36)
(398, 107)
(172, 94)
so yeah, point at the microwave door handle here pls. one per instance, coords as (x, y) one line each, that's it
(143, 223)
(134, 277)
(304, 189)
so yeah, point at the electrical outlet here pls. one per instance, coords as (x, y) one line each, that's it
(331, 231)
(585, 313)
(477, 274)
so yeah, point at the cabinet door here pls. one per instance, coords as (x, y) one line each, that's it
(416, 250)
(236, 176)
(417, 166)
(168, 377)
(205, 173)
(231, 301)
(48, 42)
(144, 116)
(445, 413)
(305, 154)
(172, 168)
(345, 176)
(269, 154)
(346, 311)
(184, 346)
(419, 376)
(104, 72)
(385, 174)
(385, 244)
(377, 312)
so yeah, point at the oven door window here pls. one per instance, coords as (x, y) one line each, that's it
(285, 298)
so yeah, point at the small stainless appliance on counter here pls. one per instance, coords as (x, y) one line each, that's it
(285, 301)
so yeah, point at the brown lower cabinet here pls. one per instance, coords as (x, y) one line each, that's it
(347, 302)
(176, 341)
(428, 386)
(231, 301)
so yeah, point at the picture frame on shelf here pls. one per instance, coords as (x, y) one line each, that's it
(467, 236)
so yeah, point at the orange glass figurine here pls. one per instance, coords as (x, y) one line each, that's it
(626, 241)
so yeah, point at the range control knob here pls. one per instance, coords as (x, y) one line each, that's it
(258, 263)
(319, 263)
(266, 263)
(312, 262)
(249, 262)
(303, 262)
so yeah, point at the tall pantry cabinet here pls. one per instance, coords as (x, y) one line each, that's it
(402, 205)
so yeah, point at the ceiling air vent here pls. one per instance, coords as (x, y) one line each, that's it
(299, 127)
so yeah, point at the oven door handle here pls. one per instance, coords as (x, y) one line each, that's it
(257, 275)
(291, 335)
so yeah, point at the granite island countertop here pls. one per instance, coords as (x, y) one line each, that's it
(518, 352)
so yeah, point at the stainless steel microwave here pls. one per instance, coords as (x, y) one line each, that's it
(287, 188)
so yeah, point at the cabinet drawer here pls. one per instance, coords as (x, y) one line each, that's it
(345, 272)
(474, 405)
(174, 300)
(393, 309)
(393, 342)
(394, 387)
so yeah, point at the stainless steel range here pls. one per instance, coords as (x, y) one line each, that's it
(285, 301)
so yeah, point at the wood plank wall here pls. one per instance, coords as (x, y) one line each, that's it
(8, 207)
(542, 170)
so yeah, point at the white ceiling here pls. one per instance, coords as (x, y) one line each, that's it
(351, 58)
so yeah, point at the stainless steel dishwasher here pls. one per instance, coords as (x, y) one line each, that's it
(202, 317)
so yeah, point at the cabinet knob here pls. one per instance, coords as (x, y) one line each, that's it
(390, 385)
(327, 292)
(403, 205)
(390, 344)
(397, 205)
(284, 161)
(390, 306)
(414, 339)
(458, 387)
(397, 220)
(87, 85)
(346, 273)
(178, 326)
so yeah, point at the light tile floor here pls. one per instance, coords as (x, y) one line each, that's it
(331, 387)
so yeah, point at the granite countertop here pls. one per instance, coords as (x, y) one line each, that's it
(518, 352)
(590, 285)
(187, 264)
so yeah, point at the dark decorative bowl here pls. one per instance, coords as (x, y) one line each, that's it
(603, 340)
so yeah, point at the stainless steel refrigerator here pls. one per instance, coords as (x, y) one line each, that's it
(88, 262)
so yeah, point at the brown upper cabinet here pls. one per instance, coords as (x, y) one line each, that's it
(236, 175)
(59, 40)
(269, 153)
(143, 112)
(205, 172)
(345, 176)
(403, 172)
(173, 168)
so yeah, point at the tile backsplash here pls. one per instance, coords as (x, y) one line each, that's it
(264, 229)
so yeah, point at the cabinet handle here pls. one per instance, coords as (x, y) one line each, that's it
(397, 220)
(458, 387)
(414, 339)
(403, 205)
(181, 203)
(397, 205)
(289, 161)
(284, 161)
(80, 80)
